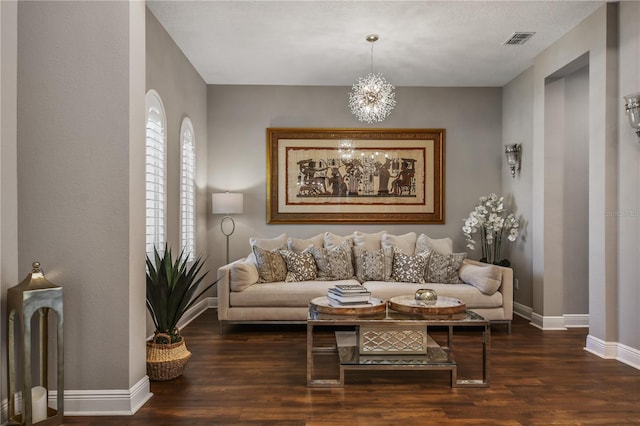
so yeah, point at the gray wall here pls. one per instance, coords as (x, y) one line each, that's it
(239, 116)
(184, 94)
(613, 162)
(628, 203)
(8, 173)
(80, 183)
(517, 127)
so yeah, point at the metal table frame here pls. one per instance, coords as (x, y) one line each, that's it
(468, 319)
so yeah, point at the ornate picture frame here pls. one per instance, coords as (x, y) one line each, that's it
(355, 175)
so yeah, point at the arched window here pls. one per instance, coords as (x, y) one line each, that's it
(187, 189)
(156, 180)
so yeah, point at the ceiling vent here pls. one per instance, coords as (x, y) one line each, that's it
(518, 38)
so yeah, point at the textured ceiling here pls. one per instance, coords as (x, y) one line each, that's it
(422, 43)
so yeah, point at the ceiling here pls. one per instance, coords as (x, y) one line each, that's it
(322, 43)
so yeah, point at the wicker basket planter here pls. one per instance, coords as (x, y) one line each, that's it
(166, 361)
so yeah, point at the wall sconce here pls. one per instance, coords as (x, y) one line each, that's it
(28, 359)
(227, 203)
(632, 108)
(513, 157)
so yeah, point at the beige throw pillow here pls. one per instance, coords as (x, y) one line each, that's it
(332, 240)
(299, 245)
(406, 242)
(371, 242)
(242, 275)
(441, 245)
(279, 242)
(487, 278)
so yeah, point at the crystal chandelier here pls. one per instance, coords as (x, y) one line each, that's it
(372, 98)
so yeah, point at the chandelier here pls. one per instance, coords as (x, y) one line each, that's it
(372, 98)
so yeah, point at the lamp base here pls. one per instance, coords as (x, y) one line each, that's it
(227, 234)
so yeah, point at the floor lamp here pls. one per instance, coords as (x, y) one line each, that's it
(227, 203)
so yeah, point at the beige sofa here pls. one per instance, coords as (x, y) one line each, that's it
(242, 298)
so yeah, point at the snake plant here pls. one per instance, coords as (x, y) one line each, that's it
(171, 286)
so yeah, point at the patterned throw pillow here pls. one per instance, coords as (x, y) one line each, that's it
(334, 263)
(408, 269)
(373, 266)
(443, 268)
(271, 266)
(300, 266)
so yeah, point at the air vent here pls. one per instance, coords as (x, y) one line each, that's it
(518, 38)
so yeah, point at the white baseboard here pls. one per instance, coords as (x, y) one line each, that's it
(576, 320)
(522, 310)
(561, 322)
(123, 402)
(196, 310)
(120, 402)
(547, 322)
(613, 350)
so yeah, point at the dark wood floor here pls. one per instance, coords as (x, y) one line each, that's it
(256, 375)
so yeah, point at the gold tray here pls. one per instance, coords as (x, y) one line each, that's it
(444, 305)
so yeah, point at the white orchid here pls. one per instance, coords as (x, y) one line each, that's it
(490, 219)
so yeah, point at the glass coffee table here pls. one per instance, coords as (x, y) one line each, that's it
(384, 339)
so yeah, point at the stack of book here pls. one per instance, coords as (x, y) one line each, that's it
(348, 295)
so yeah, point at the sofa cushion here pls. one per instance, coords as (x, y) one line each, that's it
(373, 265)
(300, 266)
(334, 263)
(279, 242)
(443, 268)
(408, 269)
(486, 278)
(371, 242)
(242, 275)
(471, 296)
(406, 242)
(441, 245)
(282, 294)
(270, 264)
(332, 240)
(297, 244)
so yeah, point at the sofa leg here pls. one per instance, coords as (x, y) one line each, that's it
(221, 328)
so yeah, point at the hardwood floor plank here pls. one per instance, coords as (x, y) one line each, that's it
(256, 375)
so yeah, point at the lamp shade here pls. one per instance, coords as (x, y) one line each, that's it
(227, 203)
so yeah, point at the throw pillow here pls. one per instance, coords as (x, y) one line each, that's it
(297, 244)
(373, 266)
(270, 264)
(441, 245)
(242, 275)
(270, 243)
(443, 268)
(487, 278)
(300, 266)
(334, 263)
(406, 243)
(332, 240)
(408, 269)
(371, 242)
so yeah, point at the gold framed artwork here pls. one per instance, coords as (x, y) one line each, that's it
(355, 175)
